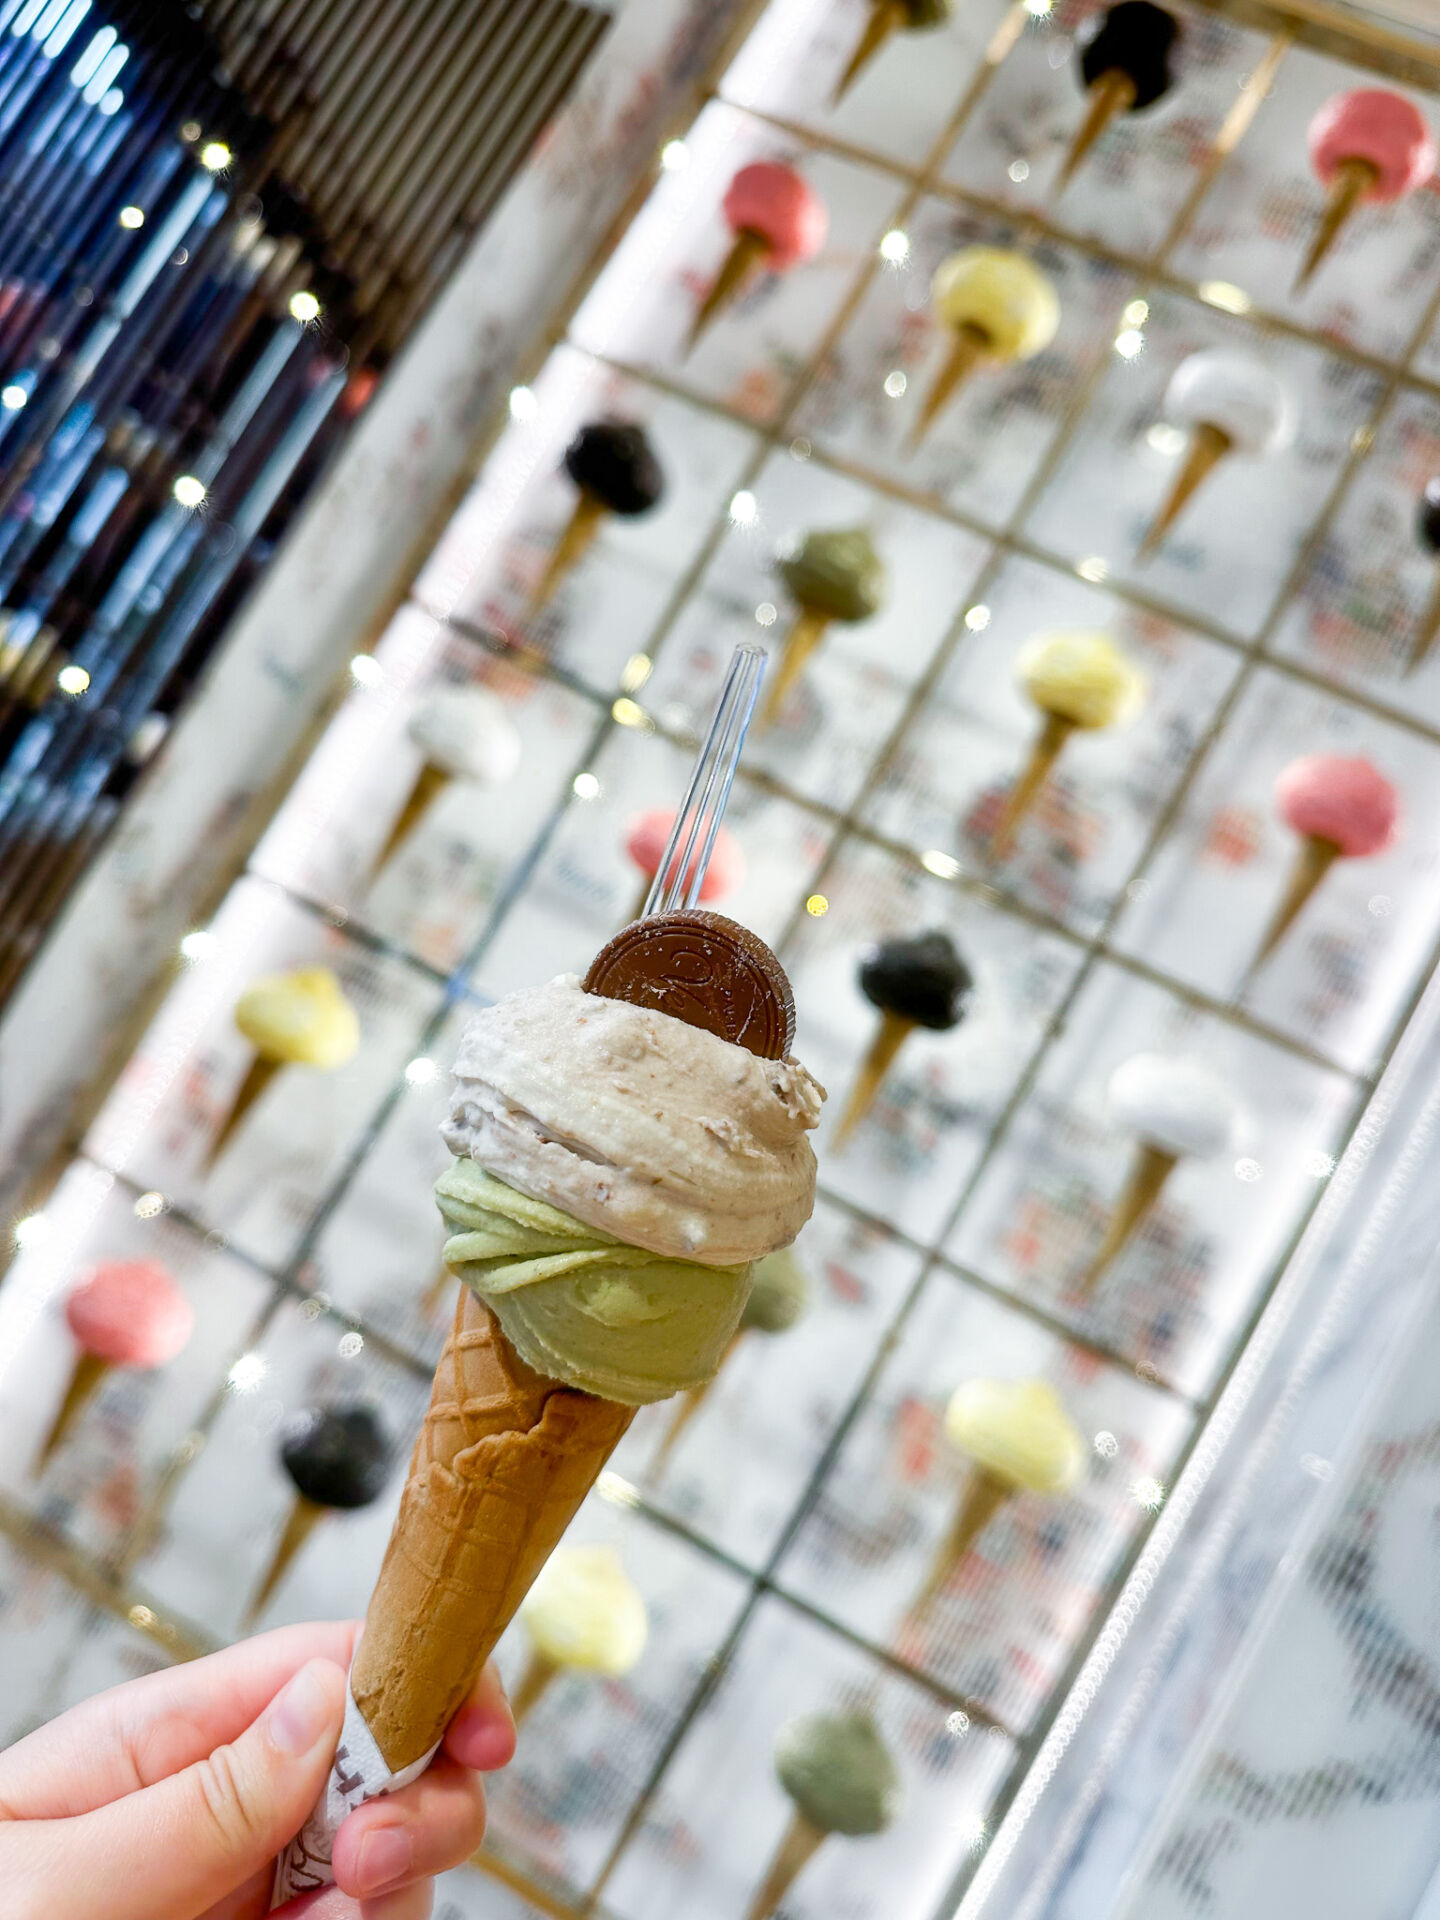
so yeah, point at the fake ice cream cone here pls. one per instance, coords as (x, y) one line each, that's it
(1209, 445)
(1342, 808)
(300, 1018)
(919, 982)
(808, 629)
(258, 1076)
(646, 839)
(1125, 68)
(777, 220)
(1369, 145)
(1055, 730)
(536, 1678)
(996, 305)
(338, 1460)
(985, 1494)
(1112, 94)
(1149, 1171)
(801, 1841)
(833, 575)
(304, 1517)
(430, 783)
(1230, 403)
(462, 733)
(584, 1615)
(616, 470)
(841, 1779)
(1428, 529)
(887, 17)
(127, 1313)
(582, 529)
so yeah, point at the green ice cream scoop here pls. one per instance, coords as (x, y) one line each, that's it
(837, 573)
(839, 1772)
(779, 1294)
(581, 1307)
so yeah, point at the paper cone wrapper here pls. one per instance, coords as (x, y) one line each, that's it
(982, 1499)
(802, 1840)
(687, 1406)
(1349, 184)
(891, 1035)
(1027, 789)
(1149, 1171)
(1424, 641)
(430, 783)
(534, 1681)
(887, 17)
(1111, 94)
(258, 1077)
(804, 637)
(1208, 447)
(304, 1516)
(747, 250)
(85, 1381)
(504, 1459)
(967, 350)
(1312, 862)
(581, 531)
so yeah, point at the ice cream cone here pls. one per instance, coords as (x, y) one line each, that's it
(535, 1678)
(503, 1462)
(801, 1840)
(1026, 790)
(686, 1407)
(1352, 179)
(968, 348)
(430, 783)
(85, 1381)
(586, 519)
(1112, 94)
(298, 1528)
(891, 1035)
(808, 630)
(1151, 1168)
(1424, 640)
(747, 250)
(1313, 861)
(887, 17)
(258, 1077)
(982, 1499)
(1208, 446)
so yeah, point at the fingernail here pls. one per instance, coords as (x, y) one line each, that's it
(300, 1712)
(387, 1855)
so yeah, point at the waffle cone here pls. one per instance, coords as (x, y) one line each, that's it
(747, 250)
(430, 783)
(893, 1032)
(1208, 447)
(1429, 627)
(535, 1678)
(801, 1840)
(887, 17)
(1111, 94)
(85, 1381)
(1313, 861)
(581, 531)
(1349, 184)
(503, 1461)
(809, 629)
(967, 350)
(1149, 1171)
(1026, 790)
(984, 1496)
(258, 1076)
(305, 1515)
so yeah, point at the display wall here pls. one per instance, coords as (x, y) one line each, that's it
(780, 1544)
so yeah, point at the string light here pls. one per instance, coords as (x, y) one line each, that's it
(188, 490)
(304, 307)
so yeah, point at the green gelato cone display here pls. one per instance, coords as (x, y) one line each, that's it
(831, 574)
(841, 1778)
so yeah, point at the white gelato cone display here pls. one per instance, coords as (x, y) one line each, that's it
(1228, 403)
(462, 733)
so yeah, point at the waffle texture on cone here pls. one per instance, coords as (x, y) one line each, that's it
(502, 1464)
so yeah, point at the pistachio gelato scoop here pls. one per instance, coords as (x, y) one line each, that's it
(838, 1771)
(1019, 1431)
(1081, 677)
(301, 1018)
(835, 572)
(585, 1611)
(779, 1294)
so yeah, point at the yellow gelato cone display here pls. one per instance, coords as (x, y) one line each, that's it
(841, 1779)
(291, 1019)
(832, 575)
(997, 307)
(584, 1615)
(1018, 1439)
(1081, 682)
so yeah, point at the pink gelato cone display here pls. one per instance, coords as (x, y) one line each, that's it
(128, 1313)
(1367, 147)
(1343, 808)
(646, 839)
(778, 221)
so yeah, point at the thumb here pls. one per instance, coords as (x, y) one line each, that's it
(174, 1849)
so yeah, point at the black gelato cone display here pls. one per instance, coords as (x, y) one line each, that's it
(339, 1459)
(616, 470)
(916, 982)
(1427, 528)
(1125, 68)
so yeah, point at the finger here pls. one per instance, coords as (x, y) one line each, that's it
(172, 1850)
(482, 1734)
(328, 1904)
(415, 1903)
(428, 1827)
(133, 1736)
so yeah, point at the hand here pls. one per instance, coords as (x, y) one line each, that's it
(168, 1798)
